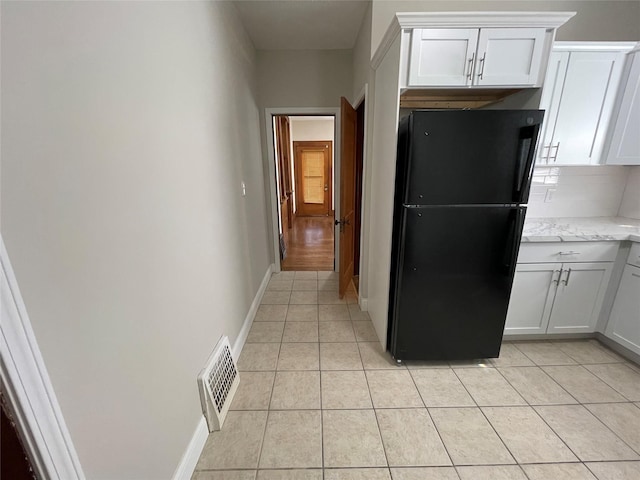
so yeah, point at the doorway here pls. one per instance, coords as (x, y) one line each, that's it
(305, 178)
(318, 227)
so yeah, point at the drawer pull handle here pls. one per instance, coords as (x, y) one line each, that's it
(569, 253)
(635, 275)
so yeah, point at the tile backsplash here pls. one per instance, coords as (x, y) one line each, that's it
(630, 206)
(595, 191)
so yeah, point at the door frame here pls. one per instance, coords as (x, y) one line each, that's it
(365, 219)
(273, 191)
(297, 179)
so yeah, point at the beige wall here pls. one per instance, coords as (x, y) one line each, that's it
(311, 129)
(304, 78)
(362, 70)
(595, 20)
(127, 130)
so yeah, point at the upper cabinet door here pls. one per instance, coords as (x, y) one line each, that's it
(442, 57)
(625, 141)
(550, 102)
(584, 107)
(509, 56)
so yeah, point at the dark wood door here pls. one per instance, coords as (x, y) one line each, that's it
(283, 149)
(348, 118)
(313, 178)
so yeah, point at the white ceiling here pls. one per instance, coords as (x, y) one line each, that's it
(302, 24)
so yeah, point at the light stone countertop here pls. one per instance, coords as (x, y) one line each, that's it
(576, 229)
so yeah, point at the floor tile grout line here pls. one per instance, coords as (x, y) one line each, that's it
(444, 445)
(550, 378)
(545, 421)
(610, 429)
(485, 417)
(532, 407)
(590, 373)
(574, 359)
(321, 416)
(373, 408)
(611, 386)
(637, 451)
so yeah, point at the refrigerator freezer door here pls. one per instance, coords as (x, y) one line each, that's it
(452, 281)
(469, 157)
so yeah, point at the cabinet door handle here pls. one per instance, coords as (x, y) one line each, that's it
(565, 282)
(570, 252)
(555, 155)
(555, 279)
(482, 65)
(470, 74)
(543, 156)
(635, 275)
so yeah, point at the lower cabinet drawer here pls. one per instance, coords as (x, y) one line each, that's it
(531, 252)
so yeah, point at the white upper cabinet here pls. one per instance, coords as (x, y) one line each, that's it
(476, 57)
(509, 56)
(624, 140)
(442, 56)
(578, 97)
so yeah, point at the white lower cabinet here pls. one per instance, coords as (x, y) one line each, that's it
(624, 321)
(532, 298)
(579, 296)
(557, 297)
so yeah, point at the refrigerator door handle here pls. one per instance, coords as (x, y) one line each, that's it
(525, 158)
(514, 240)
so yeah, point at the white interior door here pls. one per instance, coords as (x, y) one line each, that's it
(442, 57)
(531, 298)
(509, 56)
(579, 297)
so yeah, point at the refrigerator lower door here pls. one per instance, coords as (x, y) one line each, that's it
(452, 281)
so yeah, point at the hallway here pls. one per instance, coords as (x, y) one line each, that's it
(319, 399)
(309, 244)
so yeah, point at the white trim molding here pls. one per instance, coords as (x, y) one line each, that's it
(238, 345)
(273, 189)
(410, 20)
(190, 458)
(594, 46)
(28, 388)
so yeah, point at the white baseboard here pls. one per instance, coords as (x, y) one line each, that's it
(364, 305)
(191, 455)
(251, 314)
(28, 388)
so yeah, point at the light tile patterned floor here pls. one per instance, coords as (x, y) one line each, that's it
(320, 400)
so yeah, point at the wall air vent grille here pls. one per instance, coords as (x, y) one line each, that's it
(218, 382)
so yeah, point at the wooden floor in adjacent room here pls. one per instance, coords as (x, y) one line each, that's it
(309, 244)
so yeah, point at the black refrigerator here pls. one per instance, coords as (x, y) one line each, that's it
(462, 184)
